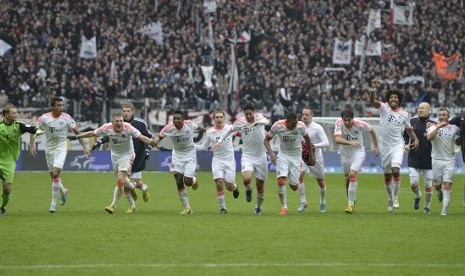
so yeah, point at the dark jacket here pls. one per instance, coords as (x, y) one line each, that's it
(459, 121)
(139, 146)
(421, 157)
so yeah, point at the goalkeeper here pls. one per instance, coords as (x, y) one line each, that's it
(141, 150)
(10, 137)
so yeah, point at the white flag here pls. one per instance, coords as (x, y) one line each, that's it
(113, 73)
(372, 48)
(375, 15)
(153, 30)
(210, 6)
(403, 15)
(207, 72)
(342, 52)
(233, 86)
(4, 47)
(88, 48)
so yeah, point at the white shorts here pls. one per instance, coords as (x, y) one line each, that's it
(443, 171)
(257, 164)
(186, 167)
(427, 174)
(318, 171)
(55, 159)
(136, 175)
(226, 169)
(352, 162)
(391, 156)
(288, 166)
(123, 163)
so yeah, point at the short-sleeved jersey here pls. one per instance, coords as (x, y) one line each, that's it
(182, 139)
(290, 140)
(252, 137)
(121, 142)
(213, 134)
(318, 137)
(9, 142)
(354, 133)
(444, 143)
(392, 125)
(56, 130)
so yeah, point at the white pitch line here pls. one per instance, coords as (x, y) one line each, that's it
(84, 266)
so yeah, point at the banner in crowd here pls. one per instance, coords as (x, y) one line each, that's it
(447, 68)
(372, 48)
(402, 15)
(4, 47)
(209, 6)
(113, 75)
(88, 48)
(207, 72)
(375, 15)
(160, 161)
(153, 30)
(342, 52)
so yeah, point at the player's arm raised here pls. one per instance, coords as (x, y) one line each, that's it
(373, 90)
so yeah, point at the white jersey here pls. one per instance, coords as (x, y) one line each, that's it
(252, 137)
(443, 145)
(121, 142)
(354, 133)
(213, 134)
(318, 137)
(182, 139)
(56, 130)
(392, 125)
(290, 140)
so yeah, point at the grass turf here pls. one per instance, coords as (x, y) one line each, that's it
(82, 239)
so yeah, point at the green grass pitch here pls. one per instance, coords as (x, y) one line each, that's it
(82, 239)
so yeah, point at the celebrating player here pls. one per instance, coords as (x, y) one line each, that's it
(10, 137)
(348, 132)
(289, 159)
(223, 162)
(319, 140)
(122, 155)
(252, 129)
(393, 121)
(442, 137)
(141, 150)
(56, 125)
(184, 155)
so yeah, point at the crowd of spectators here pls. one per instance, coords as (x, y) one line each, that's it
(291, 45)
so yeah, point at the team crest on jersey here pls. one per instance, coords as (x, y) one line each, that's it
(123, 135)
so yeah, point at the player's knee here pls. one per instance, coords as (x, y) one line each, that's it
(6, 189)
(294, 187)
(352, 177)
(282, 181)
(428, 189)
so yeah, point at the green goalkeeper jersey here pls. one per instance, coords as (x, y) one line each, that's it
(10, 141)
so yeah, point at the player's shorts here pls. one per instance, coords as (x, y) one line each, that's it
(443, 170)
(352, 162)
(123, 163)
(7, 172)
(288, 166)
(257, 164)
(136, 175)
(55, 159)
(318, 171)
(186, 166)
(391, 156)
(226, 169)
(415, 173)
